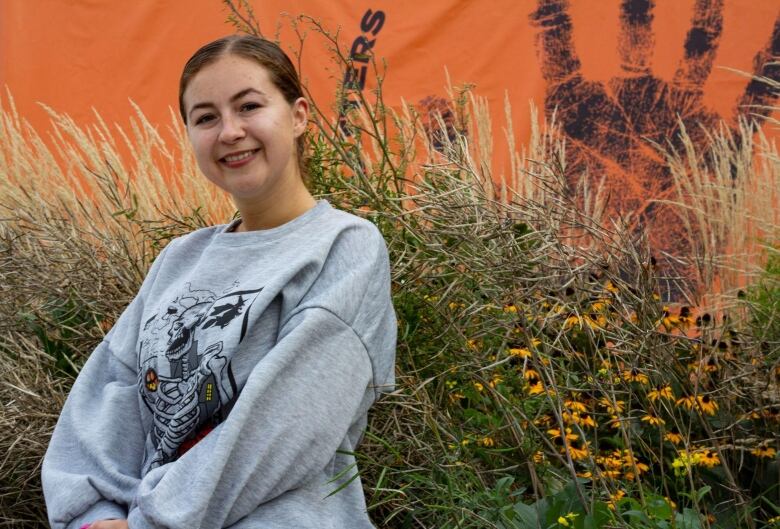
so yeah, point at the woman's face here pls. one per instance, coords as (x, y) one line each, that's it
(242, 129)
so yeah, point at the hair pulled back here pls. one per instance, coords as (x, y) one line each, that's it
(265, 53)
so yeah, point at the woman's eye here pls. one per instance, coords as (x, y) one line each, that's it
(250, 106)
(204, 119)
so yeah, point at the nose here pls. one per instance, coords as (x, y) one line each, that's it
(232, 129)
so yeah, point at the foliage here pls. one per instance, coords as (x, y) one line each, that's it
(764, 305)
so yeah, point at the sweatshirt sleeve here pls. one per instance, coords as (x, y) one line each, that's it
(91, 469)
(286, 425)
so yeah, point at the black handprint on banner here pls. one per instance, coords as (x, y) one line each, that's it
(607, 127)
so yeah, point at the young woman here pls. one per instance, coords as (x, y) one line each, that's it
(233, 388)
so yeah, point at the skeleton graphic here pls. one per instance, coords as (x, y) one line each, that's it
(185, 377)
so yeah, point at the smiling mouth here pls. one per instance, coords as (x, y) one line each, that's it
(233, 158)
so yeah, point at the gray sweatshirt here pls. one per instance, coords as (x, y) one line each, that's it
(233, 389)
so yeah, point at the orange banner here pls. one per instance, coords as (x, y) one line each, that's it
(619, 72)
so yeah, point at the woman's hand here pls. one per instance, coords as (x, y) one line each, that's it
(106, 524)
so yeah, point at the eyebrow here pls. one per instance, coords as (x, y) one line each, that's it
(236, 97)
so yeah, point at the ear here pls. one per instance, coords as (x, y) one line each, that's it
(300, 112)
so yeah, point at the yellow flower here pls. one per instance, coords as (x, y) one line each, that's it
(478, 386)
(567, 520)
(664, 392)
(685, 318)
(454, 305)
(708, 365)
(615, 422)
(520, 353)
(633, 465)
(711, 365)
(555, 433)
(609, 287)
(673, 436)
(571, 321)
(536, 389)
(707, 405)
(685, 460)
(510, 309)
(583, 419)
(702, 402)
(543, 420)
(487, 442)
(634, 375)
(456, 396)
(612, 407)
(496, 380)
(682, 463)
(680, 467)
(707, 458)
(764, 451)
(531, 376)
(471, 344)
(614, 498)
(575, 405)
(751, 416)
(652, 419)
(595, 321)
(687, 402)
(613, 462)
(669, 321)
(577, 449)
(578, 452)
(538, 456)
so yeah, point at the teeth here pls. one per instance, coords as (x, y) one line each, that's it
(239, 157)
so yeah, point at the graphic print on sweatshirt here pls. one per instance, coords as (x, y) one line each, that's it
(185, 377)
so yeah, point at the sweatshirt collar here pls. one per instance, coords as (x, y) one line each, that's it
(226, 236)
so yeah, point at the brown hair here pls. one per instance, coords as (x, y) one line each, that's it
(266, 53)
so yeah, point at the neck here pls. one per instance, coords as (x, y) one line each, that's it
(275, 209)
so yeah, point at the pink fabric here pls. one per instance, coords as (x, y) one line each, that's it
(85, 526)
